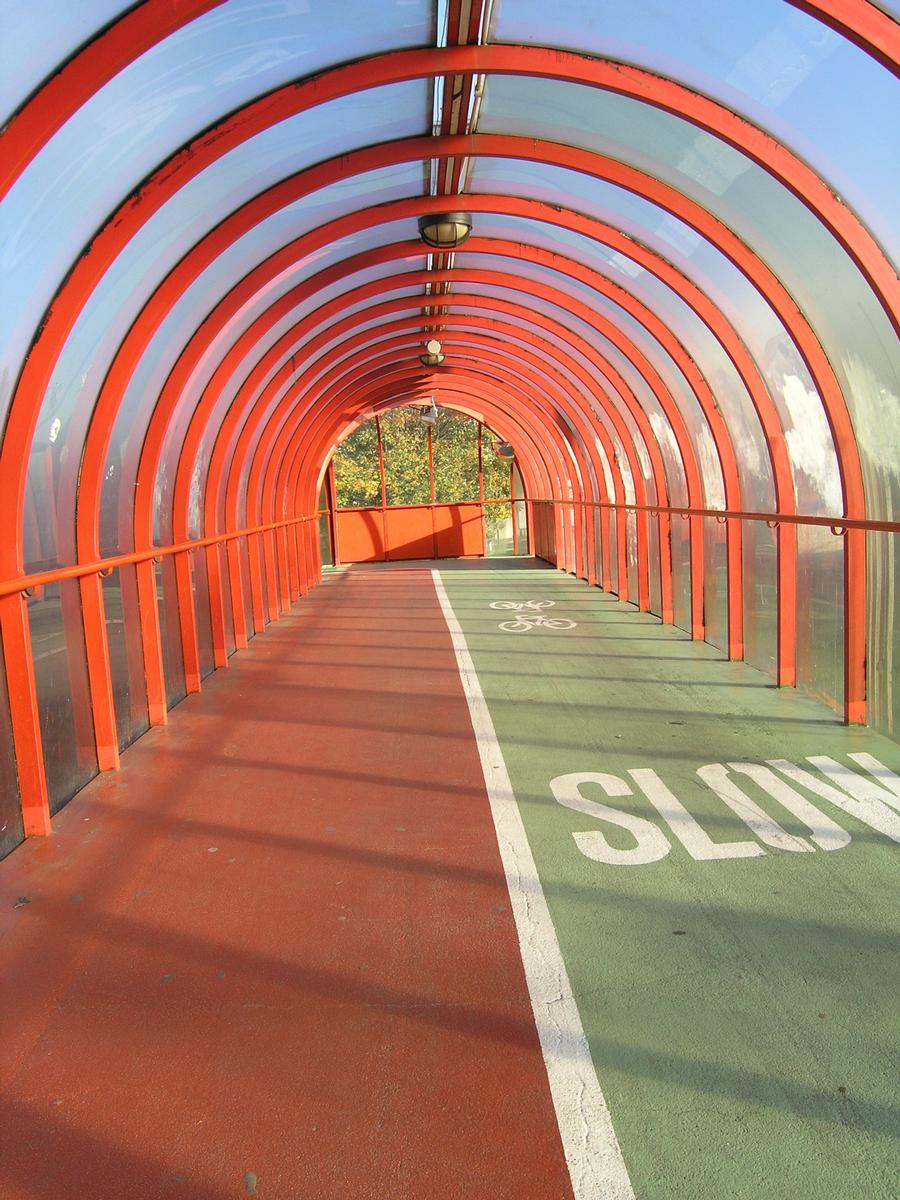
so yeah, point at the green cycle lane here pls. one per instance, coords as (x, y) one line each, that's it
(742, 1011)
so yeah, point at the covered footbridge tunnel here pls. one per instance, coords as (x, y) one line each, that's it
(508, 396)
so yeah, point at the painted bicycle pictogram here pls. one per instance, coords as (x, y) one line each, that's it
(530, 616)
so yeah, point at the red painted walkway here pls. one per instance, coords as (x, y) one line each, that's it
(274, 954)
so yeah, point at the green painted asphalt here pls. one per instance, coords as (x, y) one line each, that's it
(742, 1013)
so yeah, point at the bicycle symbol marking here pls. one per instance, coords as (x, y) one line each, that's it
(530, 616)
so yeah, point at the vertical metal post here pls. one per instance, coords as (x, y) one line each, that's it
(151, 641)
(217, 605)
(96, 647)
(190, 649)
(24, 715)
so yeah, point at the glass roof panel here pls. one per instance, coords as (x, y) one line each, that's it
(668, 370)
(788, 72)
(730, 393)
(38, 37)
(83, 365)
(828, 287)
(637, 383)
(40, 246)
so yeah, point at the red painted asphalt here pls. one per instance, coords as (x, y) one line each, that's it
(274, 954)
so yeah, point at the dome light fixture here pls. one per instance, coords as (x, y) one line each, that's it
(445, 231)
(432, 356)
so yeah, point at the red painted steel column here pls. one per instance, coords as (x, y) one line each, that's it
(96, 646)
(24, 715)
(256, 581)
(855, 618)
(151, 640)
(187, 613)
(236, 589)
(217, 605)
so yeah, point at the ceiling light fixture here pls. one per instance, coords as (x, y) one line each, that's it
(445, 231)
(432, 356)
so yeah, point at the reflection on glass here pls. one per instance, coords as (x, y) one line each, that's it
(64, 703)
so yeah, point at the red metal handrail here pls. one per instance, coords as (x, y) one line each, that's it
(837, 525)
(103, 566)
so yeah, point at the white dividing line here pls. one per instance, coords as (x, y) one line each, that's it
(592, 1152)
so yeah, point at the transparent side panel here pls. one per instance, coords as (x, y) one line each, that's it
(64, 705)
(11, 829)
(655, 594)
(170, 631)
(520, 528)
(325, 541)
(632, 557)
(357, 474)
(455, 440)
(126, 656)
(404, 438)
(820, 613)
(884, 633)
(227, 608)
(681, 573)
(715, 583)
(245, 584)
(201, 608)
(760, 597)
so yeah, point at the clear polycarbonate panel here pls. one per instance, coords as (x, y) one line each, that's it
(775, 356)
(653, 540)
(189, 81)
(200, 583)
(357, 279)
(715, 583)
(37, 38)
(679, 534)
(760, 596)
(63, 695)
(498, 530)
(357, 472)
(455, 441)
(384, 113)
(777, 226)
(126, 658)
(520, 517)
(883, 682)
(407, 473)
(660, 360)
(611, 530)
(325, 551)
(268, 395)
(170, 631)
(658, 420)
(808, 85)
(12, 831)
(576, 387)
(150, 376)
(820, 613)
(244, 551)
(730, 394)
(632, 556)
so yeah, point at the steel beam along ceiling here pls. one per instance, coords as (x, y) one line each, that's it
(238, 283)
